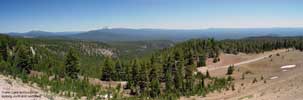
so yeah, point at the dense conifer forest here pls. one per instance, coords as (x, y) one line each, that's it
(65, 67)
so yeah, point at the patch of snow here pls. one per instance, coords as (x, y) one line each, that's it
(275, 77)
(105, 96)
(33, 51)
(288, 66)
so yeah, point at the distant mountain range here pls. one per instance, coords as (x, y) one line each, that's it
(37, 34)
(126, 34)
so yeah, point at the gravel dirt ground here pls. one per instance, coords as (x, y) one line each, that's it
(14, 89)
(273, 82)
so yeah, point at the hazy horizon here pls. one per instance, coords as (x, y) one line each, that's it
(101, 28)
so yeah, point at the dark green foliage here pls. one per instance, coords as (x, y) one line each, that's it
(155, 88)
(260, 44)
(201, 89)
(81, 87)
(119, 71)
(264, 81)
(230, 70)
(20, 60)
(255, 80)
(179, 77)
(143, 81)
(135, 70)
(53, 53)
(189, 79)
(108, 72)
(229, 78)
(217, 59)
(164, 74)
(6, 44)
(278, 54)
(135, 76)
(262, 78)
(133, 49)
(24, 59)
(72, 64)
(154, 78)
(169, 81)
(218, 84)
(201, 61)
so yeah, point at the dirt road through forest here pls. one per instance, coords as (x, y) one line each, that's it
(265, 55)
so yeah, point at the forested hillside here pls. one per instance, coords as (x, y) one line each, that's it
(139, 48)
(176, 66)
(87, 48)
(65, 67)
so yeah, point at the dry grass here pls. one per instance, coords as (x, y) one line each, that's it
(286, 87)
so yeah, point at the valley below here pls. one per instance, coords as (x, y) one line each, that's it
(200, 69)
(272, 81)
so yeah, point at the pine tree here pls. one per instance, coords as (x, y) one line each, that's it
(72, 64)
(169, 82)
(6, 43)
(201, 61)
(216, 59)
(24, 59)
(201, 85)
(119, 72)
(230, 70)
(143, 79)
(134, 85)
(155, 83)
(155, 88)
(179, 76)
(108, 70)
(156, 64)
(128, 76)
(179, 73)
(190, 59)
(135, 70)
(189, 79)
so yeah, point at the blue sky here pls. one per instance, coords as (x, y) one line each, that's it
(82, 15)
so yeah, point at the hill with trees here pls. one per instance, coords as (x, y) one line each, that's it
(66, 66)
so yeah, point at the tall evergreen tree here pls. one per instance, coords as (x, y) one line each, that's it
(119, 72)
(143, 79)
(189, 79)
(134, 82)
(155, 82)
(6, 43)
(24, 59)
(72, 64)
(201, 61)
(169, 81)
(201, 85)
(230, 70)
(179, 76)
(128, 76)
(108, 70)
